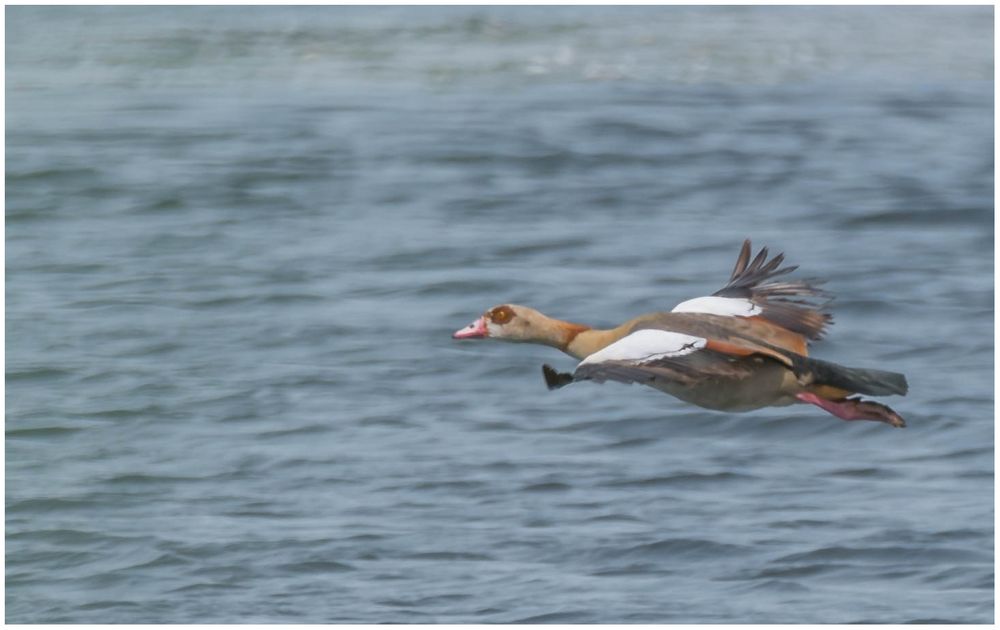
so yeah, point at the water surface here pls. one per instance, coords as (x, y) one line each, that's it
(238, 241)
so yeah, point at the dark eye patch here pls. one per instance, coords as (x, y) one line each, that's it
(501, 314)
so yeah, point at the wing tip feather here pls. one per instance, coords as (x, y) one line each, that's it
(555, 379)
(756, 280)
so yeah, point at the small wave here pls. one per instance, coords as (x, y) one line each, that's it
(227, 301)
(802, 523)
(107, 605)
(629, 443)
(615, 518)
(262, 514)
(37, 374)
(163, 204)
(549, 486)
(496, 425)
(778, 586)
(862, 473)
(794, 572)
(317, 566)
(207, 586)
(15, 215)
(59, 175)
(683, 547)
(876, 555)
(450, 555)
(639, 568)
(364, 537)
(637, 130)
(127, 414)
(308, 429)
(450, 485)
(145, 479)
(426, 601)
(461, 287)
(384, 421)
(49, 505)
(428, 258)
(164, 560)
(71, 537)
(963, 453)
(41, 432)
(543, 247)
(569, 616)
(908, 218)
(681, 479)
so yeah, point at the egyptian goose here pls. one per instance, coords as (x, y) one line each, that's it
(743, 347)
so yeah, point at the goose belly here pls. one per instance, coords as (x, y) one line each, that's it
(771, 385)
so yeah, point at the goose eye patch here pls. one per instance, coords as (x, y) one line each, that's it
(501, 315)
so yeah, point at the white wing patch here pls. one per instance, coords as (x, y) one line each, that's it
(712, 305)
(647, 345)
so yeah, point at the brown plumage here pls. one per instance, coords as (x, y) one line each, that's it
(744, 347)
(755, 281)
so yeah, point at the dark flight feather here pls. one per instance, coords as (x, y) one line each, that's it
(756, 280)
(555, 379)
(688, 369)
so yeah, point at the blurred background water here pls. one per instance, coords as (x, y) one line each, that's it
(238, 240)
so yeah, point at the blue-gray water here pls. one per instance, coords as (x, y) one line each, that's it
(238, 240)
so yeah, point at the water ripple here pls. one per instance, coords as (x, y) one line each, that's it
(238, 241)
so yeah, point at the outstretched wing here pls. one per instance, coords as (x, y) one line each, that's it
(754, 290)
(656, 358)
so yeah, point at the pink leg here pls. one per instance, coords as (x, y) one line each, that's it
(854, 409)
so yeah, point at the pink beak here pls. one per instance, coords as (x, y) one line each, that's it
(475, 330)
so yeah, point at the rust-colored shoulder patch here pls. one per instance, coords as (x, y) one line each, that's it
(732, 349)
(776, 335)
(745, 348)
